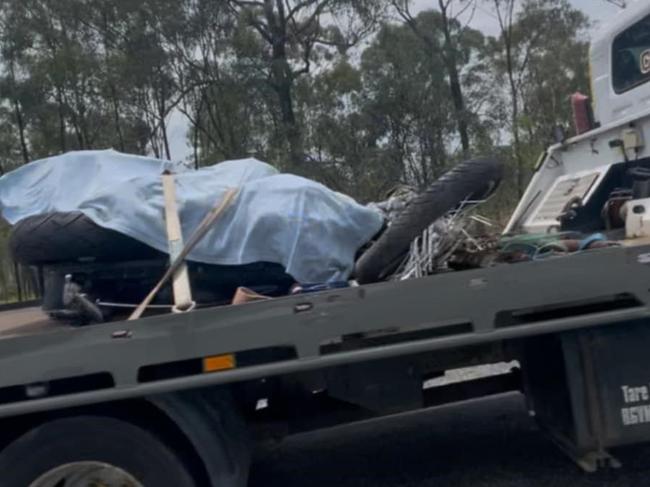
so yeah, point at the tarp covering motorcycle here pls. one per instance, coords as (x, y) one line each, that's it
(312, 231)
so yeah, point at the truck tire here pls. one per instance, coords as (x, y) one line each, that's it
(69, 237)
(91, 450)
(474, 179)
(212, 422)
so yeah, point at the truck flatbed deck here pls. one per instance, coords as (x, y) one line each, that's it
(314, 331)
(28, 320)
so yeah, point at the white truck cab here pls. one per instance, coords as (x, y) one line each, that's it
(620, 65)
(579, 180)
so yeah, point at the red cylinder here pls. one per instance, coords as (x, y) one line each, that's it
(583, 119)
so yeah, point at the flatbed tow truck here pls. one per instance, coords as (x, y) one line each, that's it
(176, 400)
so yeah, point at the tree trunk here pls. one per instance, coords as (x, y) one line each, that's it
(291, 130)
(111, 84)
(514, 118)
(19, 282)
(283, 79)
(196, 133)
(20, 121)
(21, 131)
(506, 25)
(59, 99)
(457, 97)
(78, 125)
(160, 96)
(116, 118)
(163, 130)
(449, 58)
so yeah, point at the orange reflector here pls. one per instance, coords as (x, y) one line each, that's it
(218, 362)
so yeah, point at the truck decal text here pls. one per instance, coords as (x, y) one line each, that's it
(635, 413)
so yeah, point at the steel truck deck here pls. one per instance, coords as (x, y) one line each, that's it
(287, 335)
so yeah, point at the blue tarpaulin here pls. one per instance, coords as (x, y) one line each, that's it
(312, 231)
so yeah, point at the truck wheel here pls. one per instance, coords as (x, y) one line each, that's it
(474, 179)
(89, 451)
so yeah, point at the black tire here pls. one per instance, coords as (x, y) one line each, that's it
(475, 179)
(69, 237)
(91, 439)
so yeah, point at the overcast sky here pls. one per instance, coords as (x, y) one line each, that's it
(484, 19)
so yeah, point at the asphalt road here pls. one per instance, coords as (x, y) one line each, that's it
(485, 443)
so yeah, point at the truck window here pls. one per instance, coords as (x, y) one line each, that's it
(631, 57)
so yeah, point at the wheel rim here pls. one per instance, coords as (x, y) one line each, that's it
(86, 474)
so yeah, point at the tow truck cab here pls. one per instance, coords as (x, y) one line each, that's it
(584, 170)
(620, 66)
